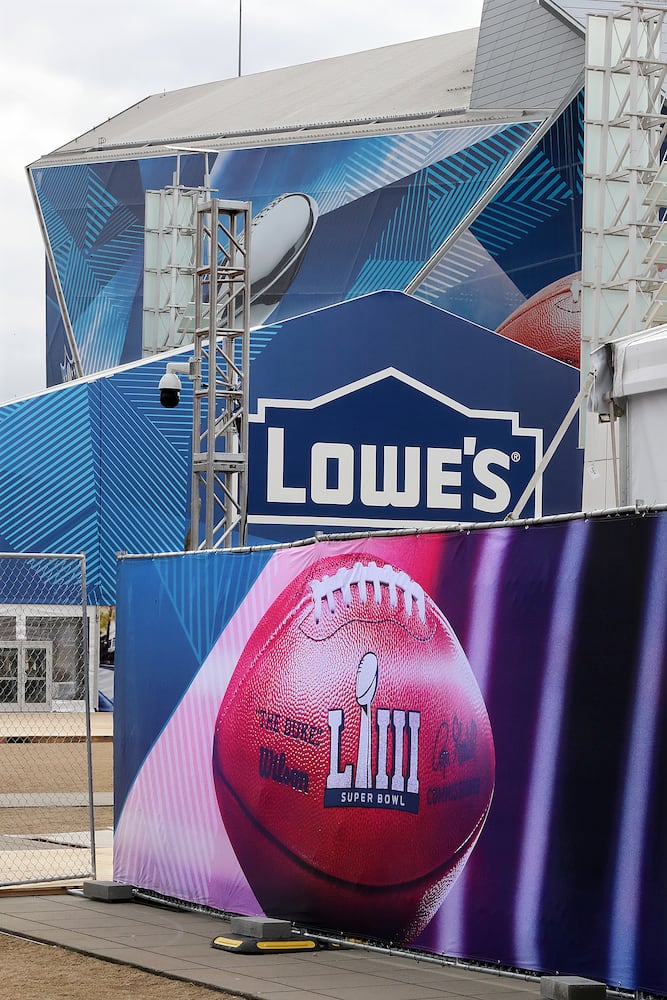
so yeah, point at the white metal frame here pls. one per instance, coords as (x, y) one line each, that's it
(624, 132)
(625, 186)
(221, 363)
(170, 232)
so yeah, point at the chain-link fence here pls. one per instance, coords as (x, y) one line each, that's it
(46, 803)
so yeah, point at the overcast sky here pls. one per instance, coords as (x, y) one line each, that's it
(67, 65)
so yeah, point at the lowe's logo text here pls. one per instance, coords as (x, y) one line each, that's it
(387, 451)
(340, 472)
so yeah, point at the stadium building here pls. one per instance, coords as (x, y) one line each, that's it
(415, 303)
(452, 314)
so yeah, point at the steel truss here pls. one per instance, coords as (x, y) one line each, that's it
(624, 248)
(219, 481)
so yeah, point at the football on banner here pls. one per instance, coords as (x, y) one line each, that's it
(353, 757)
(550, 321)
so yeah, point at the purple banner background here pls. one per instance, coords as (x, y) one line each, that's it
(564, 627)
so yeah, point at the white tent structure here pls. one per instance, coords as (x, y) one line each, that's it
(631, 387)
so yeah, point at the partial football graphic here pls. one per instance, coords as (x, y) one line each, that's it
(550, 321)
(279, 236)
(353, 757)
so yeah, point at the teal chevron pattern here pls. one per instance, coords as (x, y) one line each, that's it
(434, 202)
(548, 180)
(360, 167)
(97, 243)
(49, 474)
(535, 194)
(203, 594)
(96, 467)
(531, 223)
(62, 191)
(143, 500)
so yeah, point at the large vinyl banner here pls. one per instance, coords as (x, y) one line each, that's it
(333, 221)
(454, 742)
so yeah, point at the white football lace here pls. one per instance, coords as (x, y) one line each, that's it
(361, 575)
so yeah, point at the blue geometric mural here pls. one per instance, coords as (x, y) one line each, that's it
(88, 468)
(526, 237)
(99, 466)
(384, 205)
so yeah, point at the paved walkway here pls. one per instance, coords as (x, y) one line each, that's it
(176, 943)
(179, 944)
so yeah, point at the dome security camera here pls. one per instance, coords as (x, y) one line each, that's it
(170, 390)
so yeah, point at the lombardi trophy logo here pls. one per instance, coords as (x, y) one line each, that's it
(390, 787)
(367, 682)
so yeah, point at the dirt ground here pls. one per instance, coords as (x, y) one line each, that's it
(32, 971)
(54, 767)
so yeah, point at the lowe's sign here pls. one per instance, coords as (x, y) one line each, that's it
(387, 451)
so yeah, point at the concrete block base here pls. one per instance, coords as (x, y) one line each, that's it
(262, 936)
(108, 892)
(571, 988)
(261, 928)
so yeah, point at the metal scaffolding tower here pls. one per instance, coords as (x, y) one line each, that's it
(219, 482)
(624, 246)
(624, 132)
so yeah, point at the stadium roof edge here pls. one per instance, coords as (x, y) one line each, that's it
(164, 146)
(303, 103)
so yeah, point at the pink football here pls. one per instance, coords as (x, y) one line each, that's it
(353, 757)
(550, 321)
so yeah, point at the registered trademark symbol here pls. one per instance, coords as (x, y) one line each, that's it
(516, 457)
